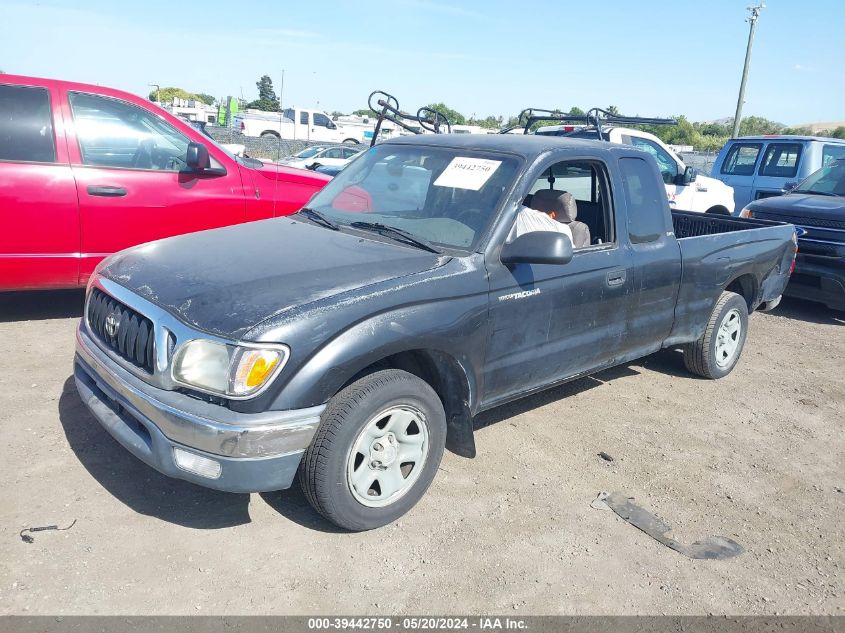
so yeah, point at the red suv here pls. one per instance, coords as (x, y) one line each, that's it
(86, 171)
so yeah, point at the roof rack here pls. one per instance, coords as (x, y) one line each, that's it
(387, 108)
(596, 117)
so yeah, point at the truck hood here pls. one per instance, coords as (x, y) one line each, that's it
(794, 207)
(226, 281)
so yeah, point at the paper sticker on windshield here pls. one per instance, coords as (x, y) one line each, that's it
(467, 173)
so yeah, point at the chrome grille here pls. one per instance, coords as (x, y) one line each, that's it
(122, 330)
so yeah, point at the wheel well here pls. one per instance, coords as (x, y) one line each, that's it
(351, 141)
(746, 287)
(270, 133)
(446, 376)
(718, 209)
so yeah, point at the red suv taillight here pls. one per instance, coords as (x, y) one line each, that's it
(243, 127)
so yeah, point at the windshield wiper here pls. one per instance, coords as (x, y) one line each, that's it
(396, 233)
(319, 218)
(814, 193)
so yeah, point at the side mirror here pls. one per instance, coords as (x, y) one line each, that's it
(538, 247)
(331, 126)
(789, 186)
(197, 158)
(689, 176)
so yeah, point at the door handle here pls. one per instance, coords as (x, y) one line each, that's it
(108, 192)
(615, 278)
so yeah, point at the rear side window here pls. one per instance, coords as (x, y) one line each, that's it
(781, 160)
(303, 118)
(832, 153)
(741, 159)
(646, 200)
(26, 125)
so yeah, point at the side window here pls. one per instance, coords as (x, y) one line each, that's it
(26, 125)
(288, 113)
(348, 152)
(303, 118)
(321, 120)
(113, 133)
(646, 201)
(335, 152)
(741, 159)
(587, 181)
(667, 164)
(831, 153)
(781, 160)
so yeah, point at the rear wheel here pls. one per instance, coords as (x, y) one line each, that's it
(270, 135)
(376, 452)
(716, 353)
(350, 141)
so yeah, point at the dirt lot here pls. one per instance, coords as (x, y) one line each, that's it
(758, 457)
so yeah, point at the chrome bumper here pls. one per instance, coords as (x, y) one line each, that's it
(195, 423)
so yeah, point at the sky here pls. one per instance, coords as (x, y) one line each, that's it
(648, 57)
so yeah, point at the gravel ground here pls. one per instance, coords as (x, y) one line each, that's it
(757, 457)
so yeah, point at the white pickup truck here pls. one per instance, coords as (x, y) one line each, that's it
(685, 187)
(298, 124)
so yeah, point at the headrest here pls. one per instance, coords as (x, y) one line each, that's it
(561, 203)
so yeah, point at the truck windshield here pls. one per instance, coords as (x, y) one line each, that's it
(827, 181)
(443, 196)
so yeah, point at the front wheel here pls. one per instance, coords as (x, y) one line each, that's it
(716, 353)
(376, 452)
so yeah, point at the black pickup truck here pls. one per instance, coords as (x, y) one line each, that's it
(817, 207)
(354, 341)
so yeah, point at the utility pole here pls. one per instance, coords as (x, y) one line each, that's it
(282, 90)
(755, 13)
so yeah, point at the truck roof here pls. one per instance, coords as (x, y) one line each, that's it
(526, 145)
(787, 137)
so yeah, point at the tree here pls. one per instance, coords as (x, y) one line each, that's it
(336, 114)
(366, 112)
(455, 117)
(576, 111)
(166, 95)
(267, 99)
(838, 132)
(612, 109)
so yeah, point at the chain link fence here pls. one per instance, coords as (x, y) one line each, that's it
(702, 161)
(265, 147)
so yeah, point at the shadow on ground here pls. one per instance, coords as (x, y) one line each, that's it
(37, 305)
(808, 311)
(137, 485)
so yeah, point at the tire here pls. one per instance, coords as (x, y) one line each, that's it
(345, 450)
(351, 141)
(717, 211)
(272, 135)
(716, 353)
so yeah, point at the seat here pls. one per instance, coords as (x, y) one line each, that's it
(562, 204)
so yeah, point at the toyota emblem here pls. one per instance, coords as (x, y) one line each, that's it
(112, 324)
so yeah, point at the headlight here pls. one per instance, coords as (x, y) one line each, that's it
(228, 370)
(746, 213)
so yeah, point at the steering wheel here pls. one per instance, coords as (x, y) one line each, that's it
(143, 158)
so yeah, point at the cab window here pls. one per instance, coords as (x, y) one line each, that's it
(741, 159)
(587, 181)
(781, 160)
(114, 133)
(26, 125)
(668, 166)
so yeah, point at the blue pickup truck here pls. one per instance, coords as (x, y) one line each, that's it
(353, 342)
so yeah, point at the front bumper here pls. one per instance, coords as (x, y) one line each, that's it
(818, 278)
(256, 452)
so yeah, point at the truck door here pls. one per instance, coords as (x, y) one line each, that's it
(551, 322)
(129, 166)
(778, 166)
(39, 215)
(737, 170)
(656, 259)
(322, 128)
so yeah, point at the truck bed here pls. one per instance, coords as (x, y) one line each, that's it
(717, 251)
(692, 224)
